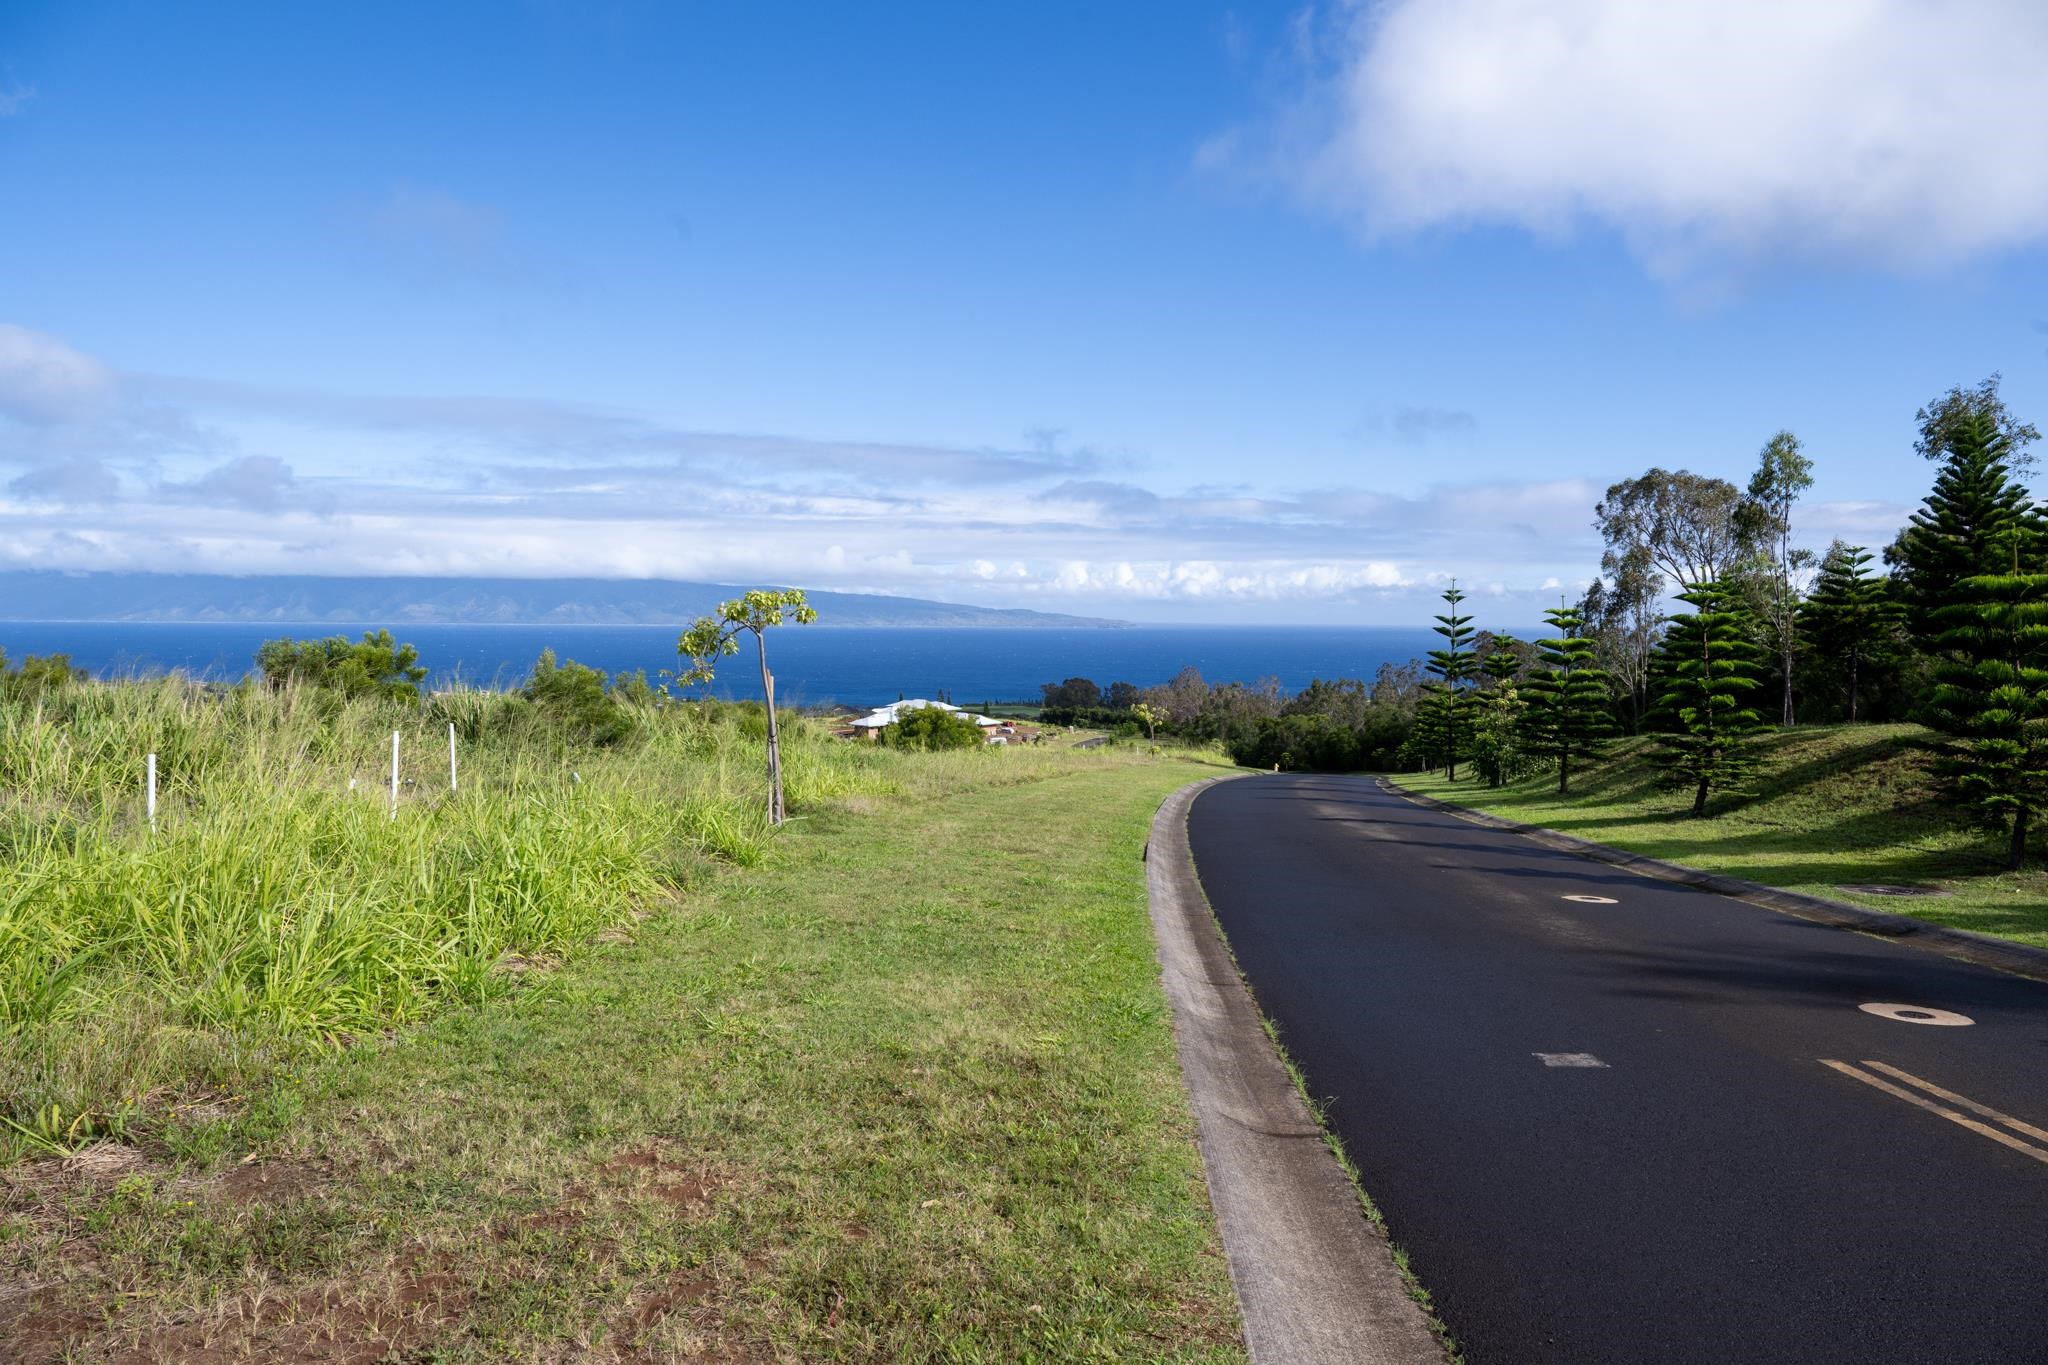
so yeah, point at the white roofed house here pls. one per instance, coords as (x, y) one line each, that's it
(873, 723)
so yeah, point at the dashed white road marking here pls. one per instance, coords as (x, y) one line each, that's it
(1917, 1014)
(1593, 900)
(1568, 1059)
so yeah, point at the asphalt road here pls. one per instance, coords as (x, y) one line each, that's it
(1712, 1189)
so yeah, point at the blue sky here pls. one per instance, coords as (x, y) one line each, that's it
(1168, 311)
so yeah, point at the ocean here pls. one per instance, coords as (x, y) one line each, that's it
(813, 664)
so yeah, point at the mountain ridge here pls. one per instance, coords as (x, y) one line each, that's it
(294, 599)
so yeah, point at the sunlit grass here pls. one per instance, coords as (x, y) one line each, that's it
(280, 904)
(1830, 806)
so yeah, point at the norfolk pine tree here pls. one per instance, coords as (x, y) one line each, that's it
(1850, 617)
(712, 636)
(1567, 696)
(1452, 666)
(1708, 666)
(1992, 690)
(1975, 502)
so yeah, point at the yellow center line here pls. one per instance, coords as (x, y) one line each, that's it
(2038, 1153)
(1982, 1110)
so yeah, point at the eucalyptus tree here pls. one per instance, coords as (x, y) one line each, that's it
(1452, 666)
(1685, 527)
(1782, 474)
(1850, 619)
(1992, 689)
(755, 613)
(1708, 666)
(1567, 714)
(1623, 618)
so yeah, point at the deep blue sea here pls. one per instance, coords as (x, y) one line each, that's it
(812, 663)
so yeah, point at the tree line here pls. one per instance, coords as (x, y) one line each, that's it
(1952, 632)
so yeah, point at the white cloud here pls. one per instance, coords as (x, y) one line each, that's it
(44, 381)
(1902, 132)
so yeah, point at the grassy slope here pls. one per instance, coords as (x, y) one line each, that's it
(1831, 804)
(907, 1092)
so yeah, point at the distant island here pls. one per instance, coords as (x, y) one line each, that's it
(289, 599)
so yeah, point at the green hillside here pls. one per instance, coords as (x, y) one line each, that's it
(1830, 805)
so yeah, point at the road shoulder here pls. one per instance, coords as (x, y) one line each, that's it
(1316, 1281)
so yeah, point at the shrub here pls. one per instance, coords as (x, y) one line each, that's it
(931, 728)
(575, 698)
(377, 666)
(38, 674)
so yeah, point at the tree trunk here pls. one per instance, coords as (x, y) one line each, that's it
(1852, 687)
(2017, 857)
(1699, 800)
(1564, 772)
(1788, 721)
(774, 736)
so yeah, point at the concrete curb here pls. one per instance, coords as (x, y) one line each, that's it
(1315, 1280)
(1978, 949)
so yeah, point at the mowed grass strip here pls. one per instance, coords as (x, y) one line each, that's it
(1830, 806)
(906, 1092)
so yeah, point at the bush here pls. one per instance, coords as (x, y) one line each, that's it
(1307, 744)
(377, 666)
(931, 728)
(38, 674)
(575, 698)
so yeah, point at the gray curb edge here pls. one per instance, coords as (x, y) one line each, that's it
(1315, 1280)
(1978, 949)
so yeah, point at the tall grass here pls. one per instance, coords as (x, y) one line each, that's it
(279, 906)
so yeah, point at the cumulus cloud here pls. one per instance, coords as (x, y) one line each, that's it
(44, 381)
(116, 470)
(1891, 131)
(258, 482)
(77, 480)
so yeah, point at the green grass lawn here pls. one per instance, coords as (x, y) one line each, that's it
(904, 1091)
(1830, 805)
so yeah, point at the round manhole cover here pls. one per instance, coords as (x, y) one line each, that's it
(1883, 889)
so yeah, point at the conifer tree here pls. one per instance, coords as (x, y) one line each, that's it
(1992, 690)
(1567, 696)
(1851, 618)
(1709, 666)
(1453, 667)
(1975, 502)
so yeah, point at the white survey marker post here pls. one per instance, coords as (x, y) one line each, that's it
(394, 774)
(451, 755)
(150, 801)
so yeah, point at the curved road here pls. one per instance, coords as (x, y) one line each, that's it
(1612, 1132)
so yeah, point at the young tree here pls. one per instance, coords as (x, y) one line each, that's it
(1708, 665)
(1850, 619)
(1622, 618)
(755, 613)
(1453, 666)
(1567, 697)
(1975, 503)
(1782, 474)
(1148, 718)
(1992, 692)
